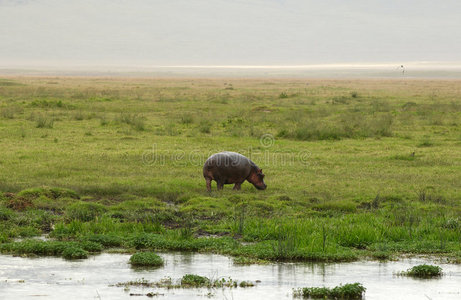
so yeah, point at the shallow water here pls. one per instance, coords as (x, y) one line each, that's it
(55, 278)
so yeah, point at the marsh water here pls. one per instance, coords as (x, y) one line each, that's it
(94, 278)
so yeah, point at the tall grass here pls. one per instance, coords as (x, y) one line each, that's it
(351, 125)
(42, 121)
(136, 121)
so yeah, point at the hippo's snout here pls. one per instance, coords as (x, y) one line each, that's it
(261, 187)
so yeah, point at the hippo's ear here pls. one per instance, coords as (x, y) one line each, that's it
(260, 171)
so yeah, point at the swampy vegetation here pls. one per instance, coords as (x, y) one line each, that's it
(146, 259)
(188, 281)
(354, 168)
(423, 271)
(347, 291)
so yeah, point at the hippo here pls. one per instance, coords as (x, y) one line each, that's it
(232, 168)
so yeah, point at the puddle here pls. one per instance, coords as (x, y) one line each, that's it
(55, 278)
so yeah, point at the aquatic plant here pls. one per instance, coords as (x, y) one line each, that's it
(74, 253)
(243, 260)
(423, 271)
(244, 284)
(347, 291)
(146, 259)
(189, 281)
(381, 255)
(194, 280)
(69, 250)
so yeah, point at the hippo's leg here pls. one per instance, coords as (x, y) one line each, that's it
(237, 186)
(208, 184)
(220, 185)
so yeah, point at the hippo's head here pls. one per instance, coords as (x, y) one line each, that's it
(257, 179)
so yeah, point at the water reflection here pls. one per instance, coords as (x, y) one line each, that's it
(55, 278)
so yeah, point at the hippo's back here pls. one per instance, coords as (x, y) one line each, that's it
(227, 159)
(226, 165)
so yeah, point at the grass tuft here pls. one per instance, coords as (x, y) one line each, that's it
(74, 253)
(85, 211)
(136, 121)
(423, 271)
(194, 280)
(347, 291)
(42, 121)
(68, 250)
(146, 259)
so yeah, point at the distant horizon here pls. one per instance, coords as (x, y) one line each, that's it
(439, 65)
(424, 70)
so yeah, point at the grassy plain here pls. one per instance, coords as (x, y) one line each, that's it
(354, 168)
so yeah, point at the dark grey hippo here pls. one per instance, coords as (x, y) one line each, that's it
(232, 168)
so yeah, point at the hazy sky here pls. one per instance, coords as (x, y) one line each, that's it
(227, 32)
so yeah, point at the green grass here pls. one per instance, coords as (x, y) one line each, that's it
(74, 253)
(188, 281)
(362, 168)
(347, 291)
(68, 250)
(423, 271)
(146, 259)
(84, 211)
(194, 280)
